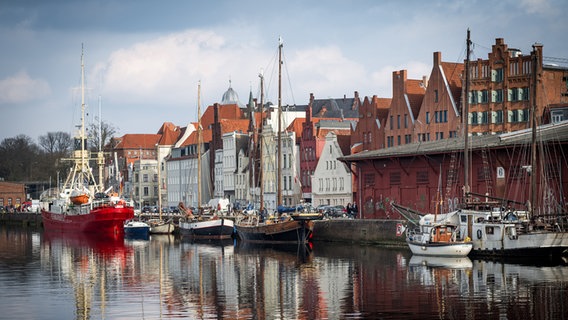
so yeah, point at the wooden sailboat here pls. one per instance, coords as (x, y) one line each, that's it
(295, 228)
(81, 205)
(160, 226)
(211, 227)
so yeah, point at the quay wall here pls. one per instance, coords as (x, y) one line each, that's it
(25, 219)
(361, 231)
(355, 231)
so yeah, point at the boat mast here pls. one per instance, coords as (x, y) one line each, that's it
(82, 130)
(533, 124)
(199, 139)
(261, 170)
(465, 120)
(279, 173)
(100, 156)
(159, 180)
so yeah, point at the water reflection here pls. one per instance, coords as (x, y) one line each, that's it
(55, 276)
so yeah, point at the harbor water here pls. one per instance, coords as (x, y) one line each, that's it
(53, 276)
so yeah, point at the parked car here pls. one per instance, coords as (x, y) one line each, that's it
(335, 212)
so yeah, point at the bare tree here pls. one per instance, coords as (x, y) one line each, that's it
(56, 143)
(107, 132)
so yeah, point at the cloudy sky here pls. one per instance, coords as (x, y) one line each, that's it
(144, 59)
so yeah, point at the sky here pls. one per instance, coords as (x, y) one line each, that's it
(144, 59)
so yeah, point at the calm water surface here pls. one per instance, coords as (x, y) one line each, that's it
(44, 276)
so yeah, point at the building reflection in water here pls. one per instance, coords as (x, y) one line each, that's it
(165, 277)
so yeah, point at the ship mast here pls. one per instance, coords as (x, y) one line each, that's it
(261, 170)
(279, 158)
(465, 120)
(199, 139)
(533, 124)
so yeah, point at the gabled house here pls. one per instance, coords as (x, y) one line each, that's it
(369, 133)
(440, 113)
(312, 141)
(331, 183)
(407, 96)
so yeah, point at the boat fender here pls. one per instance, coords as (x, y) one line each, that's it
(478, 234)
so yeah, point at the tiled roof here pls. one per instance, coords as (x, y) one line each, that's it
(453, 73)
(228, 125)
(170, 134)
(338, 131)
(557, 132)
(334, 108)
(206, 136)
(382, 106)
(415, 92)
(228, 111)
(137, 140)
(297, 126)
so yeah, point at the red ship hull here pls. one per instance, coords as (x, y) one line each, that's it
(100, 220)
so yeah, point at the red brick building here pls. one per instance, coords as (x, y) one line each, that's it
(12, 194)
(425, 116)
(407, 96)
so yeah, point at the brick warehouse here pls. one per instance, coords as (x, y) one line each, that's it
(422, 159)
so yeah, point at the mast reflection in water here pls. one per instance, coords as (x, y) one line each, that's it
(47, 276)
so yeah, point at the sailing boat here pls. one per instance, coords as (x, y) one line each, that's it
(496, 231)
(160, 226)
(202, 227)
(81, 205)
(295, 228)
(437, 238)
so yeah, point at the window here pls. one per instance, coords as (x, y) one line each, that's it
(484, 96)
(422, 177)
(398, 121)
(369, 179)
(498, 116)
(405, 121)
(146, 192)
(513, 94)
(394, 178)
(499, 95)
(436, 95)
(427, 117)
(526, 94)
(145, 177)
(391, 122)
(484, 117)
